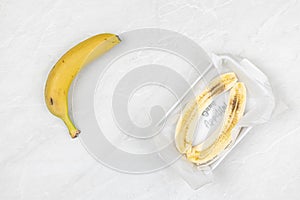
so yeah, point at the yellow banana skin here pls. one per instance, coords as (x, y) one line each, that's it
(188, 121)
(66, 69)
(233, 113)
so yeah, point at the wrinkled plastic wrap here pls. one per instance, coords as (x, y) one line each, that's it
(260, 107)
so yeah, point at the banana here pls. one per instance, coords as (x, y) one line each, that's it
(66, 69)
(188, 121)
(233, 113)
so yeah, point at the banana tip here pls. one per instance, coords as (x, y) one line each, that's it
(75, 134)
(118, 38)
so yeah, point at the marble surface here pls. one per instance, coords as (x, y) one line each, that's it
(38, 160)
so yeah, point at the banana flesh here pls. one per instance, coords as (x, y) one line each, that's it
(66, 69)
(234, 111)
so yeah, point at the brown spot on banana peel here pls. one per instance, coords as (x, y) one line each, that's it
(51, 101)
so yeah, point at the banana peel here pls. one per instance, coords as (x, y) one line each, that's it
(187, 123)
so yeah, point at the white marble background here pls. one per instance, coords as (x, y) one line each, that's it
(38, 160)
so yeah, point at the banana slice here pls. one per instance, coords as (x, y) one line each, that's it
(188, 121)
(233, 113)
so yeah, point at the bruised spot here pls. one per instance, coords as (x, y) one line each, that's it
(235, 104)
(214, 87)
(51, 101)
(63, 61)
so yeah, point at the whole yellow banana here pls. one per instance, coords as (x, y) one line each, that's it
(66, 69)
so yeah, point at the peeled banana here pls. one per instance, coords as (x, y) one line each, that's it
(187, 123)
(66, 69)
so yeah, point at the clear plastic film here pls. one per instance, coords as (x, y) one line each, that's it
(261, 107)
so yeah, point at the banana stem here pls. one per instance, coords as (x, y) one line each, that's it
(72, 129)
